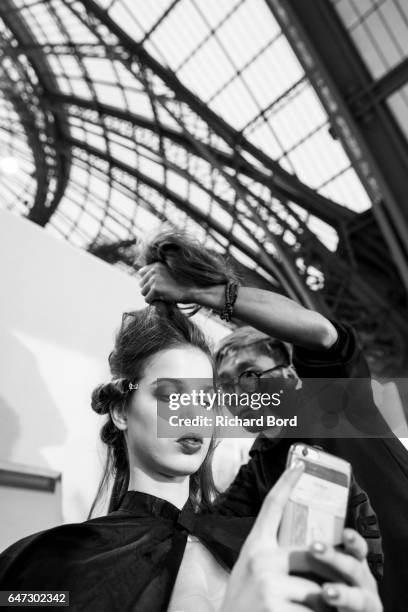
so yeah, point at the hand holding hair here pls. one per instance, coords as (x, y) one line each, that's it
(157, 283)
(176, 268)
(199, 276)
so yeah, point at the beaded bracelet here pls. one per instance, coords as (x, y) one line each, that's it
(231, 294)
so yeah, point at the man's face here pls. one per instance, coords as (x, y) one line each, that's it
(247, 358)
(244, 362)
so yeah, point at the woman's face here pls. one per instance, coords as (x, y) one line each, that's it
(169, 371)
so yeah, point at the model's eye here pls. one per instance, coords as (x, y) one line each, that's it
(163, 391)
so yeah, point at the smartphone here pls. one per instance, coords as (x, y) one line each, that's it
(317, 506)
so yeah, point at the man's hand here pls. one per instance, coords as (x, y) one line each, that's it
(157, 283)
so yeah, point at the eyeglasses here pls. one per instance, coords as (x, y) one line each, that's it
(248, 381)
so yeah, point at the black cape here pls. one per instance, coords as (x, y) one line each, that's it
(125, 561)
(129, 559)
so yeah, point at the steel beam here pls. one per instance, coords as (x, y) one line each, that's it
(363, 101)
(47, 170)
(373, 142)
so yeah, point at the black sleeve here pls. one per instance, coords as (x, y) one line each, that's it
(246, 493)
(349, 394)
(343, 360)
(362, 518)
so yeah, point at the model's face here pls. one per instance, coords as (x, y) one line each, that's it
(168, 372)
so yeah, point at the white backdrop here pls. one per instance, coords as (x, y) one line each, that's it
(59, 310)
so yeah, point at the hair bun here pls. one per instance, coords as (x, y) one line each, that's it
(99, 401)
(105, 394)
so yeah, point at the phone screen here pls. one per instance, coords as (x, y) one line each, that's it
(317, 506)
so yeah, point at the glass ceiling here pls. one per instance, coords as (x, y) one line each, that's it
(118, 115)
(379, 29)
(232, 54)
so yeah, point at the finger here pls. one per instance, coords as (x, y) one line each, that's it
(147, 271)
(270, 515)
(298, 589)
(355, 572)
(355, 544)
(144, 269)
(265, 560)
(145, 287)
(151, 296)
(350, 599)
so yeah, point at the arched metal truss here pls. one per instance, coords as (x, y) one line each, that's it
(23, 83)
(112, 143)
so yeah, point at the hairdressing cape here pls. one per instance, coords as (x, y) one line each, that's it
(125, 561)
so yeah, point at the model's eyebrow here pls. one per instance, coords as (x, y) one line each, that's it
(167, 379)
(180, 382)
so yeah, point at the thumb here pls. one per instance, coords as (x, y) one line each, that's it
(270, 515)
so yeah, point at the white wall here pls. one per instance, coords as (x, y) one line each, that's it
(59, 309)
(30, 501)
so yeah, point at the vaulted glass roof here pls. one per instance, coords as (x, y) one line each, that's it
(119, 115)
(231, 53)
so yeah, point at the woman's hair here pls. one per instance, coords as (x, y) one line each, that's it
(188, 260)
(144, 333)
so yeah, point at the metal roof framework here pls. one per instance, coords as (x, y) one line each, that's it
(104, 169)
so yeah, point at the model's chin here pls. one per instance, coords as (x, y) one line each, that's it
(185, 464)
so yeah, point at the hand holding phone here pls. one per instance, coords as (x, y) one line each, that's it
(317, 506)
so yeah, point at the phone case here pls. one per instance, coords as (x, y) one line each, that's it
(317, 506)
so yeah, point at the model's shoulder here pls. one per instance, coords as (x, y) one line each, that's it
(67, 535)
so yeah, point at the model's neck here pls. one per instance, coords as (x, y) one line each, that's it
(174, 490)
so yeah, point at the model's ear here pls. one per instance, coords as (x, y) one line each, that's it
(119, 416)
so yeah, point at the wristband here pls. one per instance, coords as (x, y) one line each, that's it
(231, 294)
